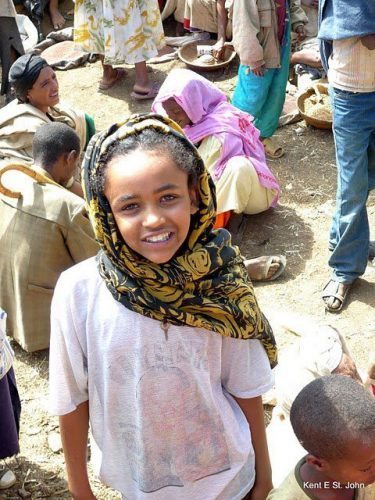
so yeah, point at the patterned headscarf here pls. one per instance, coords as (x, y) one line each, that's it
(205, 285)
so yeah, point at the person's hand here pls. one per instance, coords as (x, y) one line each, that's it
(368, 41)
(218, 50)
(258, 71)
(260, 490)
(300, 30)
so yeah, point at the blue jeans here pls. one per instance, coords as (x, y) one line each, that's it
(354, 133)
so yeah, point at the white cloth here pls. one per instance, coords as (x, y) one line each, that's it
(161, 413)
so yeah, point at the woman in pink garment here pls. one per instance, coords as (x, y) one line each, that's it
(230, 146)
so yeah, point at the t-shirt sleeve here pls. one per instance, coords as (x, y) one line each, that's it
(68, 361)
(245, 368)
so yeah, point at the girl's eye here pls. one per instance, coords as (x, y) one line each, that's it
(168, 197)
(129, 208)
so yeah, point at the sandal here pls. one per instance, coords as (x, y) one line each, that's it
(7, 479)
(271, 149)
(151, 94)
(120, 75)
(258, 269)
(331, 294)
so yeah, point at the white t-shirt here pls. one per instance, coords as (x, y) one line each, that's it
(161, 413)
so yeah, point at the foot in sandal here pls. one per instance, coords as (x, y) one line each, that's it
(141, 94)
(117, 74)
(265, 268)
(272, 149)
(334, 295)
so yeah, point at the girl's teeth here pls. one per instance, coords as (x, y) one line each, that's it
(161, 237)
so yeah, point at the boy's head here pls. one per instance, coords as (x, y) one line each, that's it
(149, 179)
(333, 417)
(56, 149)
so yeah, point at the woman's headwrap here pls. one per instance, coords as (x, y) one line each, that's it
(211, 114)
(24, 72)
(205, 285)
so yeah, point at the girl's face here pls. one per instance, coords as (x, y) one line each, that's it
(176, 113)
(151, 203)
(45, 91)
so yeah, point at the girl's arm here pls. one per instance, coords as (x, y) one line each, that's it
(253, 411)
(74, 428)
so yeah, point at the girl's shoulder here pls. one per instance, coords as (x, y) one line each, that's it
(82, 277)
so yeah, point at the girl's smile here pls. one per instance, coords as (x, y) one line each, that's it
(151, 203)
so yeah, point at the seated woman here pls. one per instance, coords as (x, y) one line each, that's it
(37, 92)
(230, 147)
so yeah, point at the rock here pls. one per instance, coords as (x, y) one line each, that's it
(54, 442)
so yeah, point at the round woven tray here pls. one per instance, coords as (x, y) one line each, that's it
(315, 122)
(188, 54)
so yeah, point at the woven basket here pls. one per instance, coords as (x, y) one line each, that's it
(315, 122)
(188, 54)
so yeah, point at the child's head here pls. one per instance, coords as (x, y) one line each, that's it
(150, 184)
(176, 112)
(148, 178)
(187, 97)
(56, 149)
(333, 417)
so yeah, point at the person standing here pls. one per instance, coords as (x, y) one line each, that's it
(10, 42)
(347, 35)
(122, 32)
(261, 38)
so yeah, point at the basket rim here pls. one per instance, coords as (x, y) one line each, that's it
(309, 119)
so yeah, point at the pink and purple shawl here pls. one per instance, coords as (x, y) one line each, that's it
(211, 114)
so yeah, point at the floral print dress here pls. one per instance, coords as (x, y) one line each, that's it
(123, 31)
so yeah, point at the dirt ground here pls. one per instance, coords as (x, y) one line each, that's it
(297, 228)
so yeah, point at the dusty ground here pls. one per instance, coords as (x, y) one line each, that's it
(297, 228)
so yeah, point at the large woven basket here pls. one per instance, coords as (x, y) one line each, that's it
(188, 54)
(315, 122)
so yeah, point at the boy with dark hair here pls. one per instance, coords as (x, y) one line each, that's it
(60, 160)
(333, 417)
(43, 231)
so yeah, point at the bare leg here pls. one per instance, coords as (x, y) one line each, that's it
(57, 18)
(110, 75)
(142, 83)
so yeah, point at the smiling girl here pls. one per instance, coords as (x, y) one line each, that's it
(159, 344)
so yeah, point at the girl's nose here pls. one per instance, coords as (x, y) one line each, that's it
(153, 219)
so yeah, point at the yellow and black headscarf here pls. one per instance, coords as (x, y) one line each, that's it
(205, 285)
